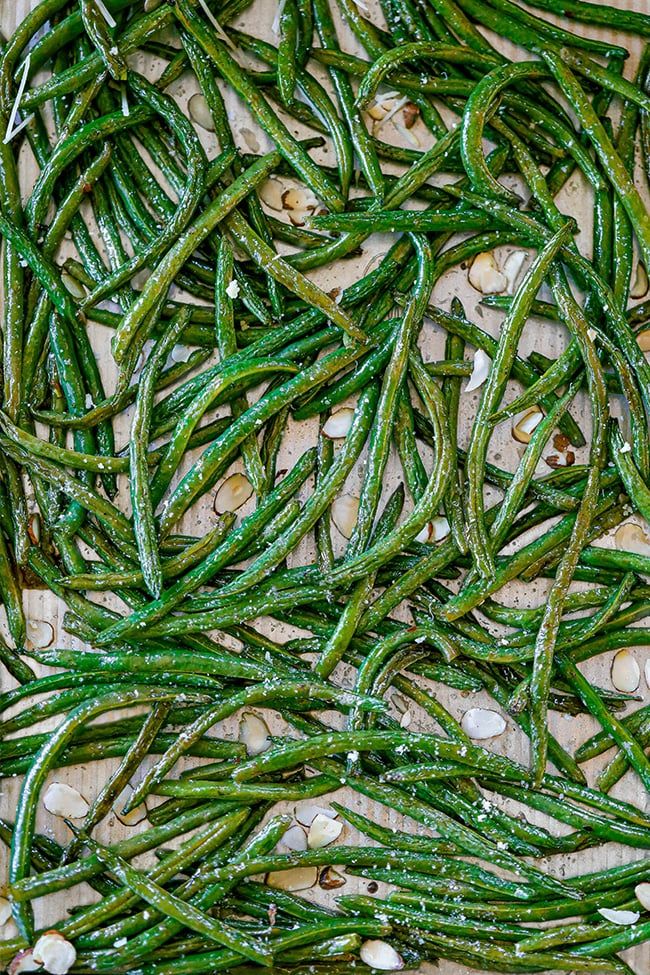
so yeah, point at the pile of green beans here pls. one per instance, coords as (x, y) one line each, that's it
(175, 322)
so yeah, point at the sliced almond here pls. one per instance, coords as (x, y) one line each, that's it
(232, 494)
(61, 799)
(200, 112)
(55, 953)
(639, 287)
(512, 268)
(40, 633)
(344, 513)
(394, 108)
(646, 670)
(5, 910)
(271, 193)
(306, 813)
(405, 720)
(643, 340)
(380, 955)
(254, 733)
(297, 198)
(642, 894)
(377, 110)
(134, 816)
(485, 276)
(439, 528)
(619, 917)
(331, 879)
(523, 429)
(626, 673)
(630, 537)
(338, 424)
(294, 839)
(424, 535)
(181, 353)
(481, 723)
(299, 203)
(34, 528)
(323, 831)
(23, 962)
(480, 370)
(298, 878)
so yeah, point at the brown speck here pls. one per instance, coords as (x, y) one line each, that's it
(373, 887)
(334, 293)
(553, 461)
(570, 458)
(411, 113)
(560, 441)
(88, 187)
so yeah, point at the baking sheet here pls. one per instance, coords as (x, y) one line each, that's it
(42, 605)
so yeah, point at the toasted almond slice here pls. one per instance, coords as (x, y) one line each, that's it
(630, 537)
(331, 879)
(619, 917)
(380, 955)
(626, 673)
(200, 112)
(424, 535)
(642, 894)
(377, 110)
(323, 831)
(271, 193)
(294, 839)
(485, 276)
(344, 512)
(61, 799)
(23, 962)
(298, 878)
(134, 816)
(306, 813)
(639, 287)
(40, 633)
(232, 494)
(5, 910)
(295, 198)
(523, 429)
(512, 268)
(405, 720)
(55, 953)
(480, 370)
(254, 733)
(338, 424)
(480, 723)
(646, 670)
